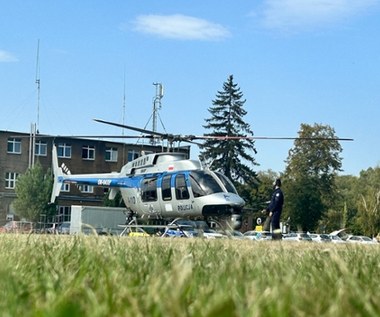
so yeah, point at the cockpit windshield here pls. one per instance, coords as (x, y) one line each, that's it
(227, 183)
(203, 183)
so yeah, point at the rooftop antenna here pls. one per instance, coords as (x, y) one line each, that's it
(34, 128)
(38, 82)
(123, 114)
(156, 107)
(32, 145)
(123, 118)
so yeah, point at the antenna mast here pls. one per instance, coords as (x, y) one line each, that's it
(38, 82)
(34, 128)
(123, 119)
(123, 114)
(156, 107)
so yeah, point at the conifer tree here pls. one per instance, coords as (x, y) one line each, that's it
(233, 157)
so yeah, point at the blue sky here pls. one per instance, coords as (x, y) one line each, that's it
(296, 61)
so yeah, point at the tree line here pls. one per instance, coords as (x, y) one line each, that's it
(317, 197)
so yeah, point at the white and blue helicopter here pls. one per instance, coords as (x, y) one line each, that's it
(163, 185)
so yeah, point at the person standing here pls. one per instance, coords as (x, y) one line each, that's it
(274, 209)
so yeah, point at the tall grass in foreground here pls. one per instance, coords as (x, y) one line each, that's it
(112, 276)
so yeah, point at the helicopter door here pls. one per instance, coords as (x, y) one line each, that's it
(184, 206)
(149, 200)
(166, 190)
(181, 190)
(167, 196)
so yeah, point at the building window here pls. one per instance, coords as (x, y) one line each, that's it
(41, 148)
(132, 155)
(86, 189)
(64, 150)
(14, 146)
(10, 180)
(88, 152)
(64, 213)
(65, 187)
(111, 154)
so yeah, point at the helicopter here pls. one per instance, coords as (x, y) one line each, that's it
(166, 185)
(163, 185)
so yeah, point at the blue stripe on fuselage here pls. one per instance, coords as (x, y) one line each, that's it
(121, 182)
(127, 182)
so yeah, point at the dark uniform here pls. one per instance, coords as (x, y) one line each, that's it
(275, 206)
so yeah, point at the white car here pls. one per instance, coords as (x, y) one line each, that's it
(336, 239)
(316, 237)
(212, 234)
(258, 235)
(198, 228)
(361, 239)
(235, 234)
(297, 236)
(232, 234)
(64, 228)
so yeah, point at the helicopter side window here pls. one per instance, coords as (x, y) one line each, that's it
(227, 183)
(166, 188)
(205, 182)
(181, 191)
(149, 189)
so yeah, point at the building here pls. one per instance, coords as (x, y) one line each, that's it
(19, 151)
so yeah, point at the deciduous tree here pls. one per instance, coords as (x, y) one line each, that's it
(33, 190)
(368, 191)
(312, 166)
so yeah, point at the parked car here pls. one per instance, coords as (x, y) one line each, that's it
(138, 232)
(320, 237)
(336, 239)
(211, 234)
(297, 236)
(341, 233)
(258, 235)
(175, 233)
(235, 234)
(198, 228)
(64, 228)
(17, 227)
(361, 239)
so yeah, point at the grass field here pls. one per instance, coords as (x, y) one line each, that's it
(112, 276)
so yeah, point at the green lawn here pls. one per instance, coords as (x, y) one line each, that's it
(112, 276)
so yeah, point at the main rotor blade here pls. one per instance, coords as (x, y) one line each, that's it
(167, 136)
(43, 136)
(301, 138)
(105, 136)
(191, 138)
(228, 137)
(131, 128)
